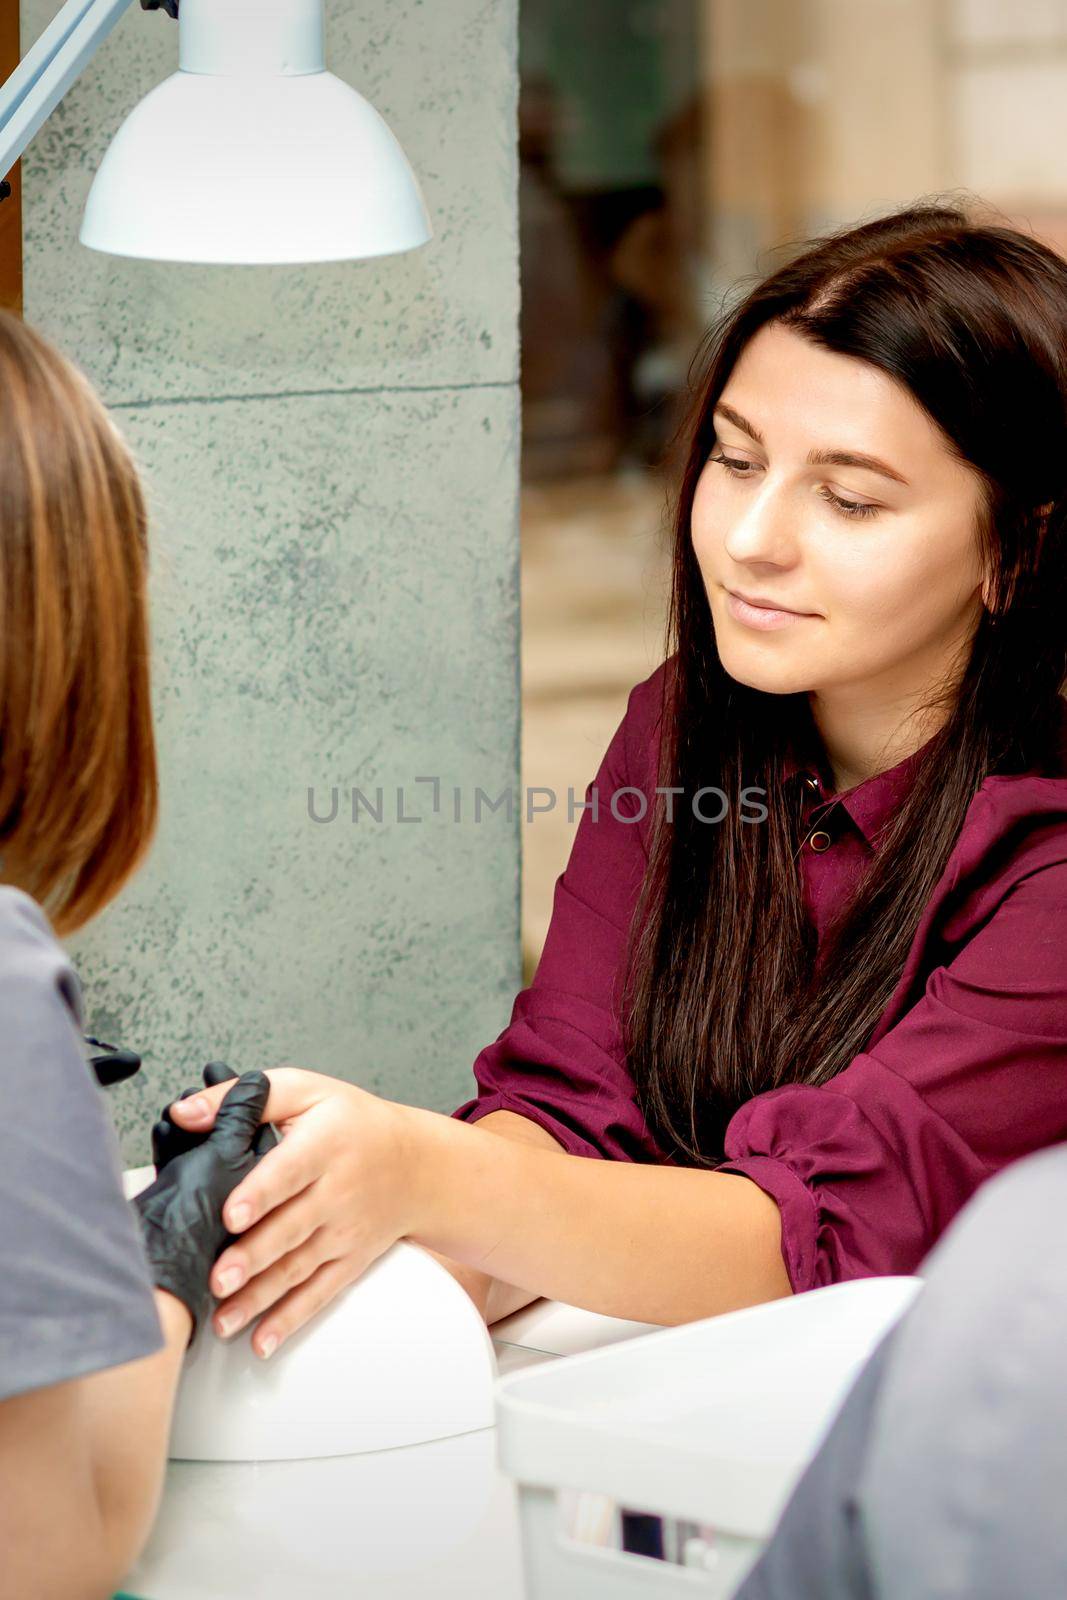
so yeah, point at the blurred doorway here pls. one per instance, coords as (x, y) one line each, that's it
(671, 153)
(611, 130)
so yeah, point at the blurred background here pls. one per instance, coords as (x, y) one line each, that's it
(670, 152)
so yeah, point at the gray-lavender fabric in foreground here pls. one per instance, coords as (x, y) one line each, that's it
(944, 1475)
(75, 1292)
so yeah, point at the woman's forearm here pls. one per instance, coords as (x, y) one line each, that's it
(81, 1467)
(655, 1244)
(493, 1297)
(128, 1412)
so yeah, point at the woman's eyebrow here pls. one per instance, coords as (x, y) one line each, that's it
(837, 458)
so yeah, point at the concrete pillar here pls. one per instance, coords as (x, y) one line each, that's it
(332, 458)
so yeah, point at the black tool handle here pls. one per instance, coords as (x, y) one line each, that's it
(111, 1063)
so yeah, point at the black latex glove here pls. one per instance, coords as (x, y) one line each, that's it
(181, 1213)
(169, 1140)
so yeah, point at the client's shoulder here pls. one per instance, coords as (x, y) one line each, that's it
(647, 703)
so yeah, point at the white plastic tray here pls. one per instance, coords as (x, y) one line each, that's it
(711, 1421)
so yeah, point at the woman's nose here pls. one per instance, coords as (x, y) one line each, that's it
(764, 528)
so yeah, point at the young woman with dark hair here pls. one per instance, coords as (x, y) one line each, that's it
(805, 984)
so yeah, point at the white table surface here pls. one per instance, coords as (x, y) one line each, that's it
(429, 1520)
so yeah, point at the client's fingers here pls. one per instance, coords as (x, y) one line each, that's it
(301, 1304)
(282, 1174)
(292, 1091)
(168, 1140)
(271, 1286)
(252, 1253)
(216, 1072)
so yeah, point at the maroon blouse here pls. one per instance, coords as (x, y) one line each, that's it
(869, 1169)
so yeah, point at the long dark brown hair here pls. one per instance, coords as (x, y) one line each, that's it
(723, 996)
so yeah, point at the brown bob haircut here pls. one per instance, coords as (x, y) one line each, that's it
(78, 782)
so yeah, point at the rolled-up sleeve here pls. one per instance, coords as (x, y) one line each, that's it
(560, 1061)
(869, 1169)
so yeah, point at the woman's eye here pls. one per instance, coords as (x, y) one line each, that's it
(847, 508)
(850, 508)
(732, 465)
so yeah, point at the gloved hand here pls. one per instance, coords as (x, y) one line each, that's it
(181, 1213)
(168, 1140)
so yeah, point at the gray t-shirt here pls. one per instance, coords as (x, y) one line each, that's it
(75, 1290)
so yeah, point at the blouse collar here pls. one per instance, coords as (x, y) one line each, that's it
(873, 802)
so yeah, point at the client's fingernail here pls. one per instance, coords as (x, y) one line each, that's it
(230, 1323)
(229, 1281)
(270, 1344)
(238, 1216)
(196, 1109)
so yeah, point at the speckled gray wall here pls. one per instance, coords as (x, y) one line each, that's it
(331, 457)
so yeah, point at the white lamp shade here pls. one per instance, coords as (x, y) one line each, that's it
(254, 169)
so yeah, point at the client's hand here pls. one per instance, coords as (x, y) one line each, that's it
(169, 1140)
(181, 1212)
(318, 1210)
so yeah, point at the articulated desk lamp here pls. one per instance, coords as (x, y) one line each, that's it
(253, 153)
(250, 153)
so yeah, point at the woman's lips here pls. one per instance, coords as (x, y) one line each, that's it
(763, 617)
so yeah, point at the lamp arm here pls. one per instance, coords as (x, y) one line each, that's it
(50, 66)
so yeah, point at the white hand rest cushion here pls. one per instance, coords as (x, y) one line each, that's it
(399, 1357)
